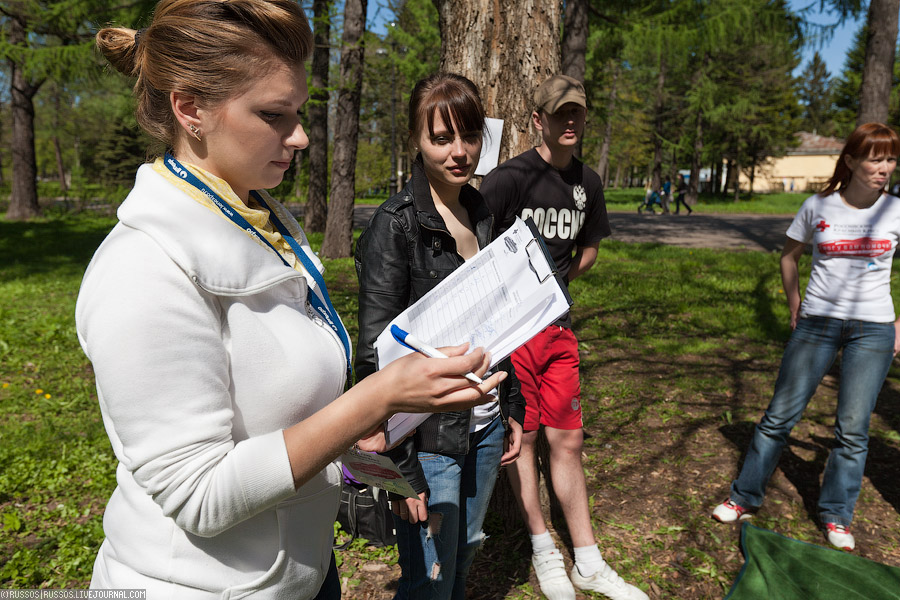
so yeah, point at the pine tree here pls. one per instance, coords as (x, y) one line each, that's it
(339, 224)
(44, 40)
(816, 97)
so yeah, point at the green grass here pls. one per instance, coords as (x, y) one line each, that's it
(671, 339)
(628, 200)
(56, 466)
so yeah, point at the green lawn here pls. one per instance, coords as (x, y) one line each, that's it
(628, 199)
(679, 352)
(766, 204)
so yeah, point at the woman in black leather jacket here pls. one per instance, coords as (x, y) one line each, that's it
(414, 240)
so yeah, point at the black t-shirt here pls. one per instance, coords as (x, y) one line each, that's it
(567, 206)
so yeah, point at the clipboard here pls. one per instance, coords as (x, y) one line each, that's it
(499, 299)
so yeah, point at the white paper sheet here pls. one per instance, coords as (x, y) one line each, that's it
(490, 147)
(499, 299)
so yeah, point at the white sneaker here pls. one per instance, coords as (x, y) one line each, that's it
(551, 573)
(607, 582)
(729, 512)
(839, 536)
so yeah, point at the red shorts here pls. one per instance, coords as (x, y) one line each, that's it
(547, 367)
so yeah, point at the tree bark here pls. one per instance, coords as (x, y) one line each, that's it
(875, 91)
(23, 202)
(574, 40)
(507, 48)
(693, 190)
(57, 148)
(603, 163)
(716, 183)
(339, 225)
(656, 169)
(574, 46)
(316, 203)
(734, 174)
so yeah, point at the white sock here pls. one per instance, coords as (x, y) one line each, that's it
(588, 560)
(542, 542)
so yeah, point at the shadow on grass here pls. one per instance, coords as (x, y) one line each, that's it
(47, 246)
(882, 464)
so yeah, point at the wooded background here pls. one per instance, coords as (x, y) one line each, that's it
(672, 84)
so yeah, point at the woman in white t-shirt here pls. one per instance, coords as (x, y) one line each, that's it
(853, 227)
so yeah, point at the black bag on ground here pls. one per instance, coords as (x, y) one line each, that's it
(365, 513)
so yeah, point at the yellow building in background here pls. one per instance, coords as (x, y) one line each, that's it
(805, 168)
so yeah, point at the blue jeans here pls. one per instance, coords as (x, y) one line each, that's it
(867, 354)
(435, 556)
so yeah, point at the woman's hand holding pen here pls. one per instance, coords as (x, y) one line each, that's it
(415, 383)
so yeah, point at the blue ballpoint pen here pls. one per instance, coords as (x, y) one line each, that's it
(411, 341)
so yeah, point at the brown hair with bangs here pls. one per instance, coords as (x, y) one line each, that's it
(869, 139)
(452, 96)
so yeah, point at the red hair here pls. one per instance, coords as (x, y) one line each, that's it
(869, 139)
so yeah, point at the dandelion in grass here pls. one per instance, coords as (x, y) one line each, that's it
(39, 391)
(47, 396)
(5, 385)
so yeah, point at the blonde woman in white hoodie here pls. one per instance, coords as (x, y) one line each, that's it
(221, 364)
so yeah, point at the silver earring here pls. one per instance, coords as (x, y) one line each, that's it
(195, 131)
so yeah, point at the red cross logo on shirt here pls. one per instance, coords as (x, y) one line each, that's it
(822, 226)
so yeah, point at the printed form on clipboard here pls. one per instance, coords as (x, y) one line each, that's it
(498, 299)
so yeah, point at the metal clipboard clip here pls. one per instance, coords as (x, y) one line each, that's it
(539, 259)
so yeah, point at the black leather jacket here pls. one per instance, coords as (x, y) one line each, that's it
(404, 252)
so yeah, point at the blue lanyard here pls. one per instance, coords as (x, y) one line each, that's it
(322, 306)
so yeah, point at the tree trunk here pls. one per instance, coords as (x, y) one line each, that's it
(656, 169)
(693, 190)
(574, 46)
(735, 178)
(507, 48)
(603, 163)
(57, 148)
(716, 182)
(875, 91)
(316, 203)
(60, 167)
(339, 229)
(23, 202)
(298, 174)
(673, 168)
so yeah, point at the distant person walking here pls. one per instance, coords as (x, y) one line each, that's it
(666, 195)
(680, 191)
(854, 228)
(651, 199)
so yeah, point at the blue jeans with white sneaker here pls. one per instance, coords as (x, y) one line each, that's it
(435, 556)
(810, 352)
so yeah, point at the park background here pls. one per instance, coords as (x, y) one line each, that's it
(680, 346)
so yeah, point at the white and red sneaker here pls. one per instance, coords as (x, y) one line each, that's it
(839, 536)
(729, 512)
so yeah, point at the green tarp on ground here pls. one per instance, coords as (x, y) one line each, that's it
(779, 568)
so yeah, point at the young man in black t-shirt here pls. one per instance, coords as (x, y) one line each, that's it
(565, 199)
